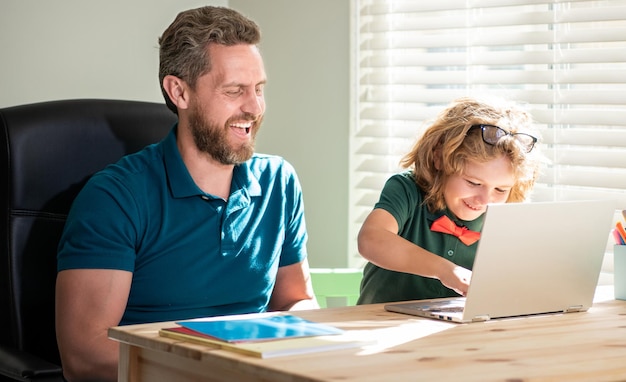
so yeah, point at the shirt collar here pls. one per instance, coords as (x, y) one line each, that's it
(244, 184)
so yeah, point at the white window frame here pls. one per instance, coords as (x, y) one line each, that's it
(566, 60)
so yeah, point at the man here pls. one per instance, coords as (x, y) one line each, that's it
(196, 225)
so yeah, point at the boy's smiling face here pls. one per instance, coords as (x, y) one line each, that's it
(468, 193)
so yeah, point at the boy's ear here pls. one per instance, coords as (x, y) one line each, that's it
(177, 90)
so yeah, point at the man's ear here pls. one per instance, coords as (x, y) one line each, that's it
(177, 90)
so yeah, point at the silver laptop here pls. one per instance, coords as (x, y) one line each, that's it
(532, 258)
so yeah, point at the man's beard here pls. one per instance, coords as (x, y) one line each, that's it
(213, 139)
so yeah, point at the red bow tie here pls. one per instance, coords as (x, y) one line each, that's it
(445, 225)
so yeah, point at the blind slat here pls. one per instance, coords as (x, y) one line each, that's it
(408, 94)
(417, 76)
(480, 56)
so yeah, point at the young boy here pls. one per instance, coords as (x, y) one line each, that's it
(420, 239)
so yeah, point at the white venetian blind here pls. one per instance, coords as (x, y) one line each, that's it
(565, 59)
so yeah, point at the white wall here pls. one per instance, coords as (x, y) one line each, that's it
(108, 49)
(306, 49)
(78, 49)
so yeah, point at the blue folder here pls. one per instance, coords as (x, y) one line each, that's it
(260, 328)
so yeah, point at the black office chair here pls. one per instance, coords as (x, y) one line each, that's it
(49, 150)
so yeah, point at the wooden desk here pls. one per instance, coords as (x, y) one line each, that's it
(588, 346)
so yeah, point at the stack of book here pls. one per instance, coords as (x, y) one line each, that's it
(264, 336)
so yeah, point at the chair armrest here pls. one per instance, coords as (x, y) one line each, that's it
(23, 366)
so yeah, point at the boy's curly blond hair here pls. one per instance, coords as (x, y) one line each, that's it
(447, 144)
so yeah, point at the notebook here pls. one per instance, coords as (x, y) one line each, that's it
(532, 258)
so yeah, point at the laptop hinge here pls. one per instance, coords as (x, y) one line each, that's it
(574, 308)
(483, 317)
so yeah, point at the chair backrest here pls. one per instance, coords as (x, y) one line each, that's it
(49, 150)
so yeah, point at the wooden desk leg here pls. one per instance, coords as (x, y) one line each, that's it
(128, 363)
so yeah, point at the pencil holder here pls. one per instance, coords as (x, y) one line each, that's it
(619, 271)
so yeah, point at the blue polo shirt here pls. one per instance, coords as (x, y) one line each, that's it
(403, 199)
(191, 254)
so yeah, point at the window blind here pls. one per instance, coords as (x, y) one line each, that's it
(565, 60)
